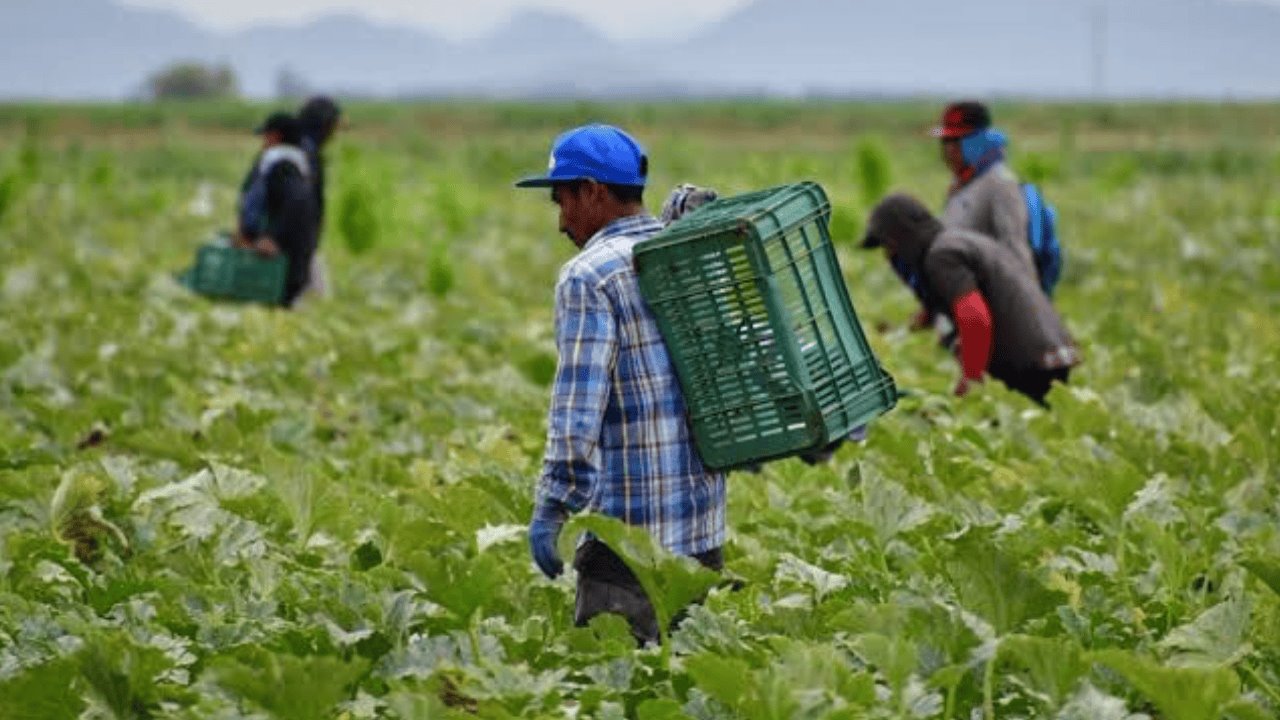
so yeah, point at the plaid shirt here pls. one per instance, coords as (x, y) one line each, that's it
(618, 441)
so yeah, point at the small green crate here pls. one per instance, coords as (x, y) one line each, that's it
(753, 308)
(231, 273)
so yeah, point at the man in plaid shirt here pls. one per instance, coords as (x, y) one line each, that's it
(618, 442)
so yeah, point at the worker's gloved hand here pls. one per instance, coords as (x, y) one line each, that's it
(921, 321)
(544, 532)
(684, 199)
(267, 247)
(965, 384)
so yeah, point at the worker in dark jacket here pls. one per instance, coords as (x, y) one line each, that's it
(318, 119)
(280, 186)
(1007, 327)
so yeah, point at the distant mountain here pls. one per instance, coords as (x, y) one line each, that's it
(342, 51)
(1201, 48)
(88, 48)
(1046, 47)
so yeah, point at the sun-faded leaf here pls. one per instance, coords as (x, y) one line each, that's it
(822, 582)
(1218, 637)
(490, 535)
(889, 509)
(1092, 704)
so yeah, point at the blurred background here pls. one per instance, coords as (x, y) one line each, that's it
(519, 49)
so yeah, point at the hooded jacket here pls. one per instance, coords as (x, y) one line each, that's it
(318, 118)
(1027, 331)
(987, 197)
(991, 203)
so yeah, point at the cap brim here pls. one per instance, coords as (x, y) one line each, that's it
(536, 182)
(543, 181)
(870, 241)
(946, 133)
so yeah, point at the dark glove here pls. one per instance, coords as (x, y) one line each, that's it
(544, 532)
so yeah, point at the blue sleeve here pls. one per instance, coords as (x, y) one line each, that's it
(912, 279)
(253, 206)
(586, 338)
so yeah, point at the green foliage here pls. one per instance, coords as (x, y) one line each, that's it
(995, 586)
(193, 81)
(846, 226)
(1055, 665)
(1180, 693)
(287, 686)
(359, 218)
(43, 693)
(440, 273)
(874, 169)
(1121, 172)
(11, 185)
(1039, 168)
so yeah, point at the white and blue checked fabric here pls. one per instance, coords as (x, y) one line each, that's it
(618, 440)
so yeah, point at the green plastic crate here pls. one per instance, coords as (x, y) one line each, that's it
(755, 313)
(231, 273)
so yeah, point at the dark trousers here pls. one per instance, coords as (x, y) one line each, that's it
(1034, 382)
(607, 585)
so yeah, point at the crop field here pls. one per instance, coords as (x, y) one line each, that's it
(211, 510)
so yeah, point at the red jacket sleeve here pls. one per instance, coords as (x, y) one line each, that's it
(973, 320)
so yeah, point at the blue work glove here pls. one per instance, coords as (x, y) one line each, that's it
(544, 532)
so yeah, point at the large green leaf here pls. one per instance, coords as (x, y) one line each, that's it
(1054, 665)
(121, 677)
(670, 581)
(1181, 693)
(1268, 571)
(725, 679)
(42, 693)
(994, 585)
(288, 686)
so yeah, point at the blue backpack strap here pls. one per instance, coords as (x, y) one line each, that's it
(1052, 270)
(1042, 237)
(1035, 219)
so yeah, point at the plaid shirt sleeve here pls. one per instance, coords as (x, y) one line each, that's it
(587, 343)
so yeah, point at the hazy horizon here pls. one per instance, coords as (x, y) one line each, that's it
(650, 19)
(660, 48)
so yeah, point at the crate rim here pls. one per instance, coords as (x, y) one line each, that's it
(777, 197)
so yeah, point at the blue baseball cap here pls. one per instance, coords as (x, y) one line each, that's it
(602, 153)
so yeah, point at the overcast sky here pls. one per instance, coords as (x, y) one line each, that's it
(459, 18)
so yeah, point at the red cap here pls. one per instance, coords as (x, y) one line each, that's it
(962, 119)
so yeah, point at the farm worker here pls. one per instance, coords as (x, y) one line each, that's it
(280, 186)
(318, 117)
(985, 195)
(618, 441)
(1007, 327)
